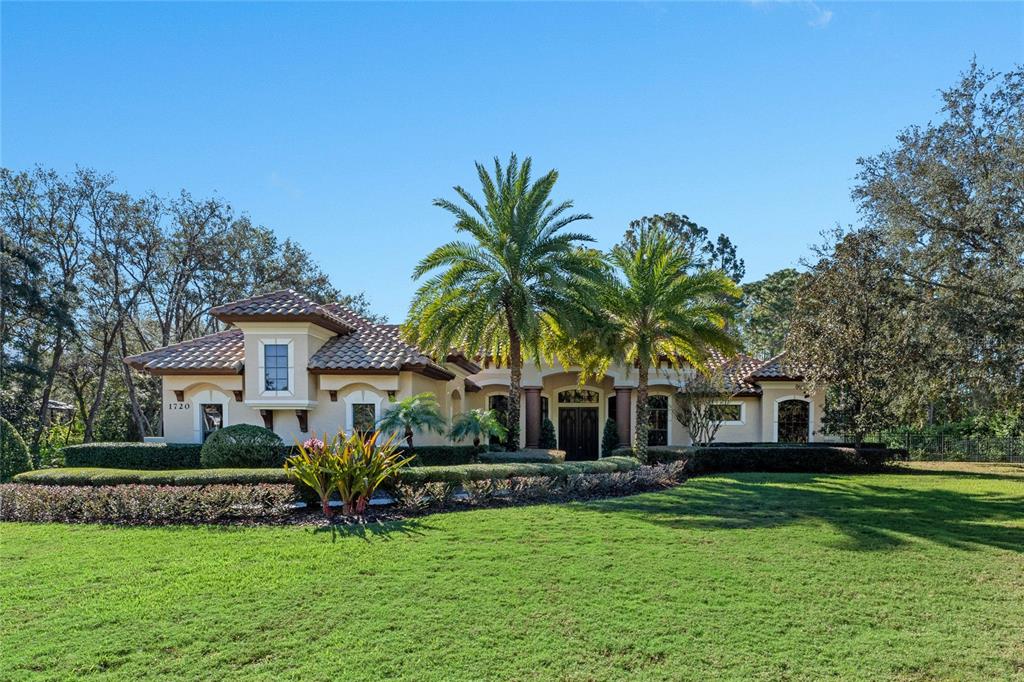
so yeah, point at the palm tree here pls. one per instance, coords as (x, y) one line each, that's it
(478, 424)
(414, 414)
(650, 310)
(499, 293)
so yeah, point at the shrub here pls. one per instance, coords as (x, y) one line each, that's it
(144, 504)
(242, 445)
(92, 476)
(311, 466)
(134, 455)
(14, 456)
(480, 472)
(610, 438)
(814, 458)
(443, 455)
(548, 441)
(541, 456)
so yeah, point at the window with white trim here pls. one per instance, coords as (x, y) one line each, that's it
(728, 413)
(364, 417)
(275, 367)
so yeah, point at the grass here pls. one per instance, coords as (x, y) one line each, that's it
(915, 576)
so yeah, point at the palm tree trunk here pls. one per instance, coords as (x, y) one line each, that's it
(642, 424)
(408, 436)
(515, 365)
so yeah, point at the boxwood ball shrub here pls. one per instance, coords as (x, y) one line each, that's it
(14, 457)
(242, 446)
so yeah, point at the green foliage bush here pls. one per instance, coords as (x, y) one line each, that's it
(14, 455)
(548, 441)
(538, 455)
(773, 458)
(242, 446)
(480, 472)
(134, 455)
(444, 455)
(144, 504)
(610, 438)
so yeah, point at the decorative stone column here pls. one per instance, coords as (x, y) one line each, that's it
(624, 415)
(532, 396)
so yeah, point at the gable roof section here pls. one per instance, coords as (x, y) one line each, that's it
(283, 305)
(220, 353)
(373, 348)
(735, 370)
(776, 369)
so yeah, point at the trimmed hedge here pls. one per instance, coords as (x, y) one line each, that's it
(445, 455)
(134, 455)
(144, 504)
(814, 458)
(540, 455)
(483, 472)
(194, 477)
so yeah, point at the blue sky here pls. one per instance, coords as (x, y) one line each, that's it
(337, 124)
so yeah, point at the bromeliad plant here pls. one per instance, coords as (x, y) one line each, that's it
(354, 466)
(362, 466)
(312, 466)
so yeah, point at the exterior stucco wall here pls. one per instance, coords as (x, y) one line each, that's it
(774, 392)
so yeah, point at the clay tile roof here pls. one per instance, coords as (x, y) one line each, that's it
(735, 371)
(282, 306)
(372, 347)
(776, 369)
(221, 353)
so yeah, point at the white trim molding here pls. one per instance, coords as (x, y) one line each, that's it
(810, 416)
(743, 412)
(262, 367)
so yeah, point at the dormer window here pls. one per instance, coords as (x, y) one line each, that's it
(275, 367)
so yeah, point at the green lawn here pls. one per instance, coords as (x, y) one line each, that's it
(782, 577)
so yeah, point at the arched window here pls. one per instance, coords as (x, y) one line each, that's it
(794, 420)
(657, 418)
(578, 395)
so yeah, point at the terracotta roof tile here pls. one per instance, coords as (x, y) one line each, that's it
(372, 347)
(221, 353)
(776, 369)
(735, 370)
(282, 305)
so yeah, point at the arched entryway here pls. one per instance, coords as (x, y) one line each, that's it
(793, 420)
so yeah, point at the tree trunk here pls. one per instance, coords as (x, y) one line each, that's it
(325, 505)
(515, 365)
(141, 423)
(642, 423)
(44, 413)
(408, 436)
(101, 385)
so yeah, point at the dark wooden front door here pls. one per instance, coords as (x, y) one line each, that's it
(577, 432)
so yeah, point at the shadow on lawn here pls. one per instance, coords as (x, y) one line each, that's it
(873, 517)
(383, 530)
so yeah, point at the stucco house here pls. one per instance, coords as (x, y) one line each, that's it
(297, 366)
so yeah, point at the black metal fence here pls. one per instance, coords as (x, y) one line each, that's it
(941, 448)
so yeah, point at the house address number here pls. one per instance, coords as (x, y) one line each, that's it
(178, 406)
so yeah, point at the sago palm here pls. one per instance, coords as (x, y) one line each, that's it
(411, 415)
(477, 424)
(650, 309)
(499, 292)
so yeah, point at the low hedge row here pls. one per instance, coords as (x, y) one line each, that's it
(815, 458)
(166, 456)
(538, 456)
(445, 455)
(193, 477)
(134, 455)
(145, 504)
